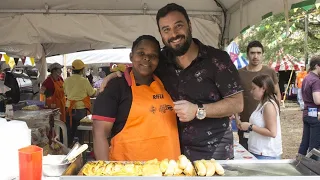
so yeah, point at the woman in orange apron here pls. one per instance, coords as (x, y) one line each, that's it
(52, 90)
(136, 112)
(78, 91)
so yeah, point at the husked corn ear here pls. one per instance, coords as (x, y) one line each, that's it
(129, 168)
(151, 170)
(189, 170)
(138, 169)
(177, 171)
(183, 161)
(211, 170)
(164, 165)
(219, 168)
(171, 167)
(153, 161)
(201, 168)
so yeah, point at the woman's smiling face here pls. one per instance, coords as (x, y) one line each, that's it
(145, 57)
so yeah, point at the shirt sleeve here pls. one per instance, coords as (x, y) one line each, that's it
(226, 76)
(316, 86)
(48, 84)
(107, 103)
(90, 90)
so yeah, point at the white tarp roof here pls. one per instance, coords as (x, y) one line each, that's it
(93, 57)
(47, 27)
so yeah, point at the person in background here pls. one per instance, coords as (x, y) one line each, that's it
(78, 90)
(311, 112)
(255, 52)
(298, 83)
(52, 90)
(69, 72)
(102, 75)
(264, 123)
(89, 76)
(136, 111)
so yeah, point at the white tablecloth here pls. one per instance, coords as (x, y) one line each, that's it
(240, 153)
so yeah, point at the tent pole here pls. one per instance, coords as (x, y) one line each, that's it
(64, 66)
(99, 11)
(285, 93)
(286, 12)
(306, 19)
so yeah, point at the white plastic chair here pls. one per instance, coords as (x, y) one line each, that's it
(59, 124)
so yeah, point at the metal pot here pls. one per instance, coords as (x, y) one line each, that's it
(52, 165)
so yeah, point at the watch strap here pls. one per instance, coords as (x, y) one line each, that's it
(200, 105)
(250, 127)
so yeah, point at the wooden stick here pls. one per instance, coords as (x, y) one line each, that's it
(285, 93)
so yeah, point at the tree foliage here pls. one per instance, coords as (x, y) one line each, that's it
(271, 32)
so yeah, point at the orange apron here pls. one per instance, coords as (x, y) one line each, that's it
(151, 128)
(87, 104)
(58, 98)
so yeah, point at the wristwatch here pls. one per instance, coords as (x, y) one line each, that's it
(250, 128)
(201, 112)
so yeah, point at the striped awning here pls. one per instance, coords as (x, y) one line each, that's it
(286, 62)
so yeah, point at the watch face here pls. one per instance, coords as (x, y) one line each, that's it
(201, 114)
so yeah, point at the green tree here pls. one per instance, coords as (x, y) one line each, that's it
(271, 32)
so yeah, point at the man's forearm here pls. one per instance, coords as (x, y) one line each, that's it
(225, 107)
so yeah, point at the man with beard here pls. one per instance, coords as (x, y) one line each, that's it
(255, 55)
(204, 85)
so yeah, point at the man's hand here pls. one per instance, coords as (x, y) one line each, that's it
(245, 126)
(232, 117)
(238, 121)
(108, 78)
(186, 111)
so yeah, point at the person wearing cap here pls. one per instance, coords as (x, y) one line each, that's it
(298, 83)
(102, 75)
(52, 90)
(78, 91)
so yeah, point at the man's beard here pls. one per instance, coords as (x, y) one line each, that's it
(180, 50)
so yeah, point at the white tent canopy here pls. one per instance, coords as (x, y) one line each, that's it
(47, 27)
(93, 57)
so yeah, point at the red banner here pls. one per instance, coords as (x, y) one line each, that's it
(23, 59)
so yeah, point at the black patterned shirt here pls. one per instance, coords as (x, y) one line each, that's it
(208, 79)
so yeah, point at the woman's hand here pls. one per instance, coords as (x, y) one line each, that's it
(238, 122)
(245, 126)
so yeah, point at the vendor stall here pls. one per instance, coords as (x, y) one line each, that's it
(303, 167)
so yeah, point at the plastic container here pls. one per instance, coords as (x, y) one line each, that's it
(30, 163)
(14, 135)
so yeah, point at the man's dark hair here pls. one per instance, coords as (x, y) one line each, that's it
(171, 8)
(315, 60)
(254, 44)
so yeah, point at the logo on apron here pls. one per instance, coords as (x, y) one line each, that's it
(163, 108)
(153, 109)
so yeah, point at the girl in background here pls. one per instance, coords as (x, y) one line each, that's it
(264, 124)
